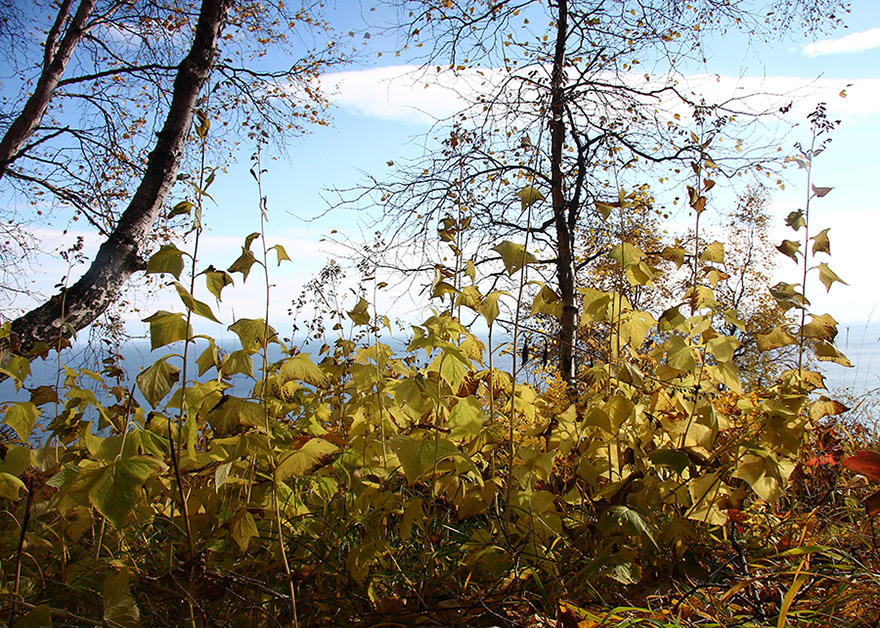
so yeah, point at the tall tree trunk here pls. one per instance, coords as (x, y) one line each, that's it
(55, 59)
(564, 244)
(120, 255)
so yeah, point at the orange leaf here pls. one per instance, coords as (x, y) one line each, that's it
(868, 464)
(872, 503)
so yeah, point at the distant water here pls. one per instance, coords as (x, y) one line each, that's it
(859, 384)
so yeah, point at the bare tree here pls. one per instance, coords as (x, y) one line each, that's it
(251, 92)
(95, 92)
(579, 100)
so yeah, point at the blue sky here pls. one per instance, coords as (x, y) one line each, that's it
(379, 117)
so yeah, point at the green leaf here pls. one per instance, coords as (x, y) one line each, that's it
(116, 487)
(828, 277)
(22, 417)
(821, 326)
(675, 459)
(626, 254)
(216, 280)
(249, 240)
(243, 263)
(360, 314)
(418, 456)
(764, 474)
(10, 486)
(304, 460)
(281, 254)
(193, 305)
(243, 528)
(168, 259)
(209, 358)
(156, 381)
(253, 333)
(167, 327)
(119, 606)
(38, 617)
(301, 368)
(789, 248)
(775, 339)
(238, 362)
(547, 302)
(529, 196)
(231, 414)
(182, 208)
(827, 352)
(604, 209)
(466, 418)
(713, 253)
(617, 519)
(821, 244)
(489, 307)
(514, 256)
(795, 220)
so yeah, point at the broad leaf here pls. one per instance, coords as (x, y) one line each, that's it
(822, 326)
(301, 368)
(216, 280)
(168, 259)
(795, 220)
(820, 192)
(418, 456)
(304, 460)
(827, 352)
(116, 487)
(789, 248)
(120, 608)
(617, 519)
(243, 528)
(22, 417)
(824, 406)
(866, 463)
(489, 307)
(828, 277)
(821, 244)
(253, 333)
(194, 305)
(10, 486)
(281, 254)
(167, 327)
(243, 264)
(514, 256)
(360, 315)
(157, 380)
(713, 253)
(529, 196)
(775, 339)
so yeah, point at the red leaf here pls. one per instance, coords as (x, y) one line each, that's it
(865, 462)
(872, 504)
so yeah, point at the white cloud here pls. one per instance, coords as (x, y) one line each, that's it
(854, 42)
(405, 93)
(422, 96)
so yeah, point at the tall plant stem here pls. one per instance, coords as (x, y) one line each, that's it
(806, 255)
(264, 383)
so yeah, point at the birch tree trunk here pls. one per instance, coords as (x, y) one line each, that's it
(121, 254)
